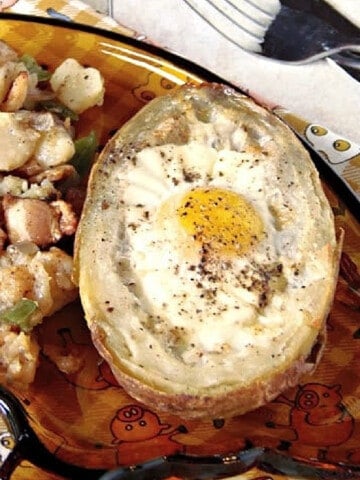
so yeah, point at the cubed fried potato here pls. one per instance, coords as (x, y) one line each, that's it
(41, 276)
(17, 93)
(19, 354)
(36, 147)
(77, 87)
(18, 142)
(55, 147)
(31, 135)
(7, 75)
(7, 53)
(36, 221)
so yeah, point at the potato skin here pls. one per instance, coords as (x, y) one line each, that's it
(109, 308)
(220, 405)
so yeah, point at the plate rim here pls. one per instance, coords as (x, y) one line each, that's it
(177, 60)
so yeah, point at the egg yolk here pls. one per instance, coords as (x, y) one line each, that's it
(220, 219)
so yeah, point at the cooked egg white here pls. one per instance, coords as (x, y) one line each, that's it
(213, 255)
(211, 268)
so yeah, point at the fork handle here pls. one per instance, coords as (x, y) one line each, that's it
(298, 35)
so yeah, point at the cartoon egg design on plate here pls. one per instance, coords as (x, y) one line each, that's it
(206, 254)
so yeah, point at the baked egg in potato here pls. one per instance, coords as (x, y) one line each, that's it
(206, 255)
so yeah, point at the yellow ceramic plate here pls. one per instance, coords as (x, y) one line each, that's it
(86, 418)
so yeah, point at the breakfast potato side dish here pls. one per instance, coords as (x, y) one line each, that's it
(40, 197)
(206, 255)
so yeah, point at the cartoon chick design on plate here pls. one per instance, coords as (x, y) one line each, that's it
(342, 154)
(339, 152)
(7, 442)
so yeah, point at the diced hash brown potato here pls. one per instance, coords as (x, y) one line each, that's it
(14, 85)
(17, 93)
(22, 188)
(41, 276)
(55, 147)
(37, 221)
(36, 207)
(27, 136)
(7, 75)
(6, 53)
(18, 142)
(18, 357)
(78, 87)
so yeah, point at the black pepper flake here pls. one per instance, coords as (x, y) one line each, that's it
(190, 177)
(262, 299)
(133, 226)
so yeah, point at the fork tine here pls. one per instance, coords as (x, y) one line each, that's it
(252, 12)
(268, 8)
(231, 21)
(348, 56)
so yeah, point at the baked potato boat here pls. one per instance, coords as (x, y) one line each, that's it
(206, 255)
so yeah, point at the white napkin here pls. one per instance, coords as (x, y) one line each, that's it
(321, 92)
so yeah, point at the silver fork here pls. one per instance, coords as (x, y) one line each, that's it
(291, 31)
